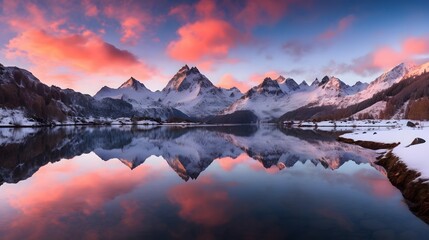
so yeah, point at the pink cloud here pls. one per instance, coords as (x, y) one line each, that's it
(228, 81)
(91, 10)
(205, 39)
(132, 18)
(258, 12)
(85, 52)
(63, 54)
(342, 25)
(181, 11)
(385, 57)
(257, 78)
(206, 8)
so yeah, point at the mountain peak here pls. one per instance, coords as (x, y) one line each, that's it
(333, 83)
(267, 87)
(280, 79)
(315, 82)
(303, 84)
(185, 78)
(417, 70)
(325, 79)
(132, 83)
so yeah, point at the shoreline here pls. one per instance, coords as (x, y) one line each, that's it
(414, 189)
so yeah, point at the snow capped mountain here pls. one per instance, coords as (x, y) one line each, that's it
(417, 70)
(287, 85)
(303, 84)
(316, 82)
(189, 93)
(131, 91)
(270, 99)
(382, 82)
(194, 94)
(268, 87)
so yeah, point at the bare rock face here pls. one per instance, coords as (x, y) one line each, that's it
(417, 141)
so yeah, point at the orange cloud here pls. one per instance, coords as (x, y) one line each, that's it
(342, 25)
(202, 202)
(228, 81)
(85, 52)
(209, 38)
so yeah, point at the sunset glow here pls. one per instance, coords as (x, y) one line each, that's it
(87, 44)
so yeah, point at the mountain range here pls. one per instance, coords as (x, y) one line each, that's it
(401, 92)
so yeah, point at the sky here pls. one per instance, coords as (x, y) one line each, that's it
(88, 44)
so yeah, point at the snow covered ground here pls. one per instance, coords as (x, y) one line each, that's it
(15, 117)
(416, 157)
(363, 124)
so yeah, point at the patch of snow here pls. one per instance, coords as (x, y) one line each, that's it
(415, 156)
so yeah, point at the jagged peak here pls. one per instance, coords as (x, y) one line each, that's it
(324, 80)
(304, 83)
(132, 83)
(185, 68)
(185, 78)
(193, 70)
(315, 82)
(280, 79)
(333, 83)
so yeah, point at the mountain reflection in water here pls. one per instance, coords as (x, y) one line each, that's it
(251, 182)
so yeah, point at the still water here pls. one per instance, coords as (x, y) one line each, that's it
(196, 183)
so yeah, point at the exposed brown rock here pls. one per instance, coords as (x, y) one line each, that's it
(417, 141)
(414, 189)
(368, 144)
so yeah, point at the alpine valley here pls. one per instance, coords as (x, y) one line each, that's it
(402, 92)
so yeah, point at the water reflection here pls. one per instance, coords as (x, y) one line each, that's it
(262, 183)
(188, 151)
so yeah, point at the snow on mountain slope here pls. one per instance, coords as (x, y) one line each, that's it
(383, 82)
(194, 94)
(268, 100)
(287, 85)
(131, 91)
(418, 70)
(373, 111)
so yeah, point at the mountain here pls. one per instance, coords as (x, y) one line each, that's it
(132, 91)
(191, 96)
(402, 92)
(287, 85)
(194, 94)
(272, 98)
(188, 92)
(22, 92)
(143, 100)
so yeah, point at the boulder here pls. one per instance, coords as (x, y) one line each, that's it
(411, 124)
(417, 141)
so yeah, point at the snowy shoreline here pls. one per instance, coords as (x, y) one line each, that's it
(413, 156)
(406, 164)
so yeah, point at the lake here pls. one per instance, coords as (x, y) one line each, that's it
(242, 182)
